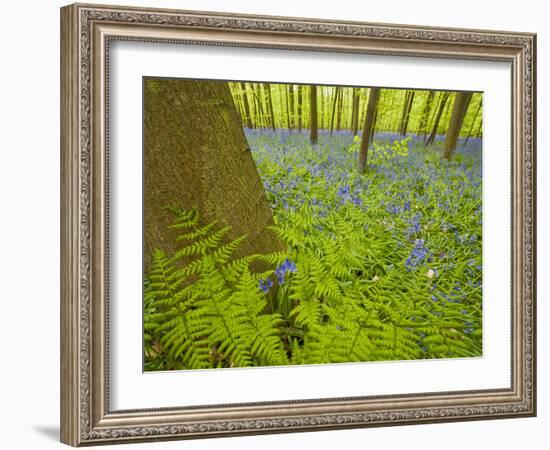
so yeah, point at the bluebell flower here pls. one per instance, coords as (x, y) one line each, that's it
(266, 284)
(418, 255)
(287, 266)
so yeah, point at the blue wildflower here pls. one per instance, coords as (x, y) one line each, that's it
(418, 255)
(266, 284)
(287, 266)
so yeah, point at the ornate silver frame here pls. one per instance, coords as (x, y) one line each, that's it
(86, 31)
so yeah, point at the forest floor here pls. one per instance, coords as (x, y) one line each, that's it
(382, 265)
(409, 229)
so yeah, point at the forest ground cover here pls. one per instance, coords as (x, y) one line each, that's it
(380, 265)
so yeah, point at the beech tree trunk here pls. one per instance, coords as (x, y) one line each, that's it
(248, 116)
(423, 128)
(299, 109)
(195, 155)
(368, 127)
(313, 112)
(460, 106)
(339, 108)
(407, 113)
(355, 112)
(267, 89)
(292, 114)
(441, 108)
(469, 135)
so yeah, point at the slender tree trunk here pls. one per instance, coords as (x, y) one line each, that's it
(248, 117)
(267, 91)
(284, 95)
(367, 128)
(186, 123)
(355, 112)
(389, 114)
(313, 112)
(292, 115)
(444, 98)
(405, 124)
(300, 106)
(261, 116)
(446, 117)
(404, 112)
(469, 135)
(333, 113)
(433, 113)
(395, 116)
(339, 109)
(374, 124)
(460, 106)
(423, 126)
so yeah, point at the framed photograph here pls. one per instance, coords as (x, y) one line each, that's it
(277, 224)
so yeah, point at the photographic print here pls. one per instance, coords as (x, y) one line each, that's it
(289, 224)
(254, 201)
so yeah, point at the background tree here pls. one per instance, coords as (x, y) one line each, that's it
(246, 104)
(355, 112)
(299, 108)
(469, 134)
(423, 125)
(422, 112)
(368, 125)
(409, 98)
(441, 107)
(460, 106)
(269, 100)
(313, 109)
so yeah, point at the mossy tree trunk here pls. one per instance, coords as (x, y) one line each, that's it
(196, 156)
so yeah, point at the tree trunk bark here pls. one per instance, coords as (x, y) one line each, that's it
(292, 116)
(423, 127)
(333, 109)
(267, 89)
(300, 106)
(444, 98)
(248, 118)
(339, 109)
(313, 112)
(355, 112)
(469, 135)
(404, 113)
(260, 115)
(368, 127)
(460, 106)
(195, 155)
(407, 114)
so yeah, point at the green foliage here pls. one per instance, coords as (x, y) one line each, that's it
(379, 266)
(204, 309)
(287, 106)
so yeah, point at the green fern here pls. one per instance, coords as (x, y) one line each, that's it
(343, 302)
(203, 306)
